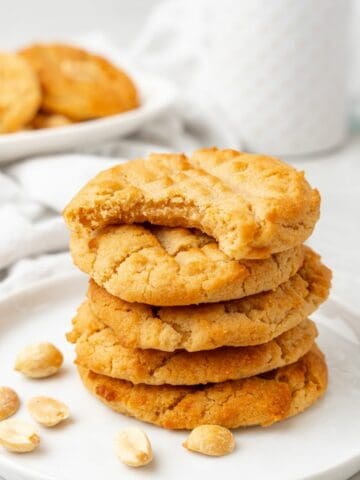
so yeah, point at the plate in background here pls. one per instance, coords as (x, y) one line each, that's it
(156, 95)
(323, 443)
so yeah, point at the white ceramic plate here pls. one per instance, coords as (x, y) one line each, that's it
(322, 443)
(156, 94)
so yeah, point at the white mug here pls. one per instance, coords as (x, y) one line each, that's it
(278, 71)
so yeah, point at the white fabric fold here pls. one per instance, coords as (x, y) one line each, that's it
(34, 191)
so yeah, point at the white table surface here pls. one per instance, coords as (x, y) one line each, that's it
(337, 235)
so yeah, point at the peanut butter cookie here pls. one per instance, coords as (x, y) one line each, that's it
(248, 321)
(253, 205)
(20, 94)
(49, 120)
(260, 400)
(78, 84)
(99, 350)
(174, 266)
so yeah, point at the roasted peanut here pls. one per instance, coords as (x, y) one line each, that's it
(47, 411)
(39, 360)
(210, 440)
(18, 436)
(9, 402)
(133, 447)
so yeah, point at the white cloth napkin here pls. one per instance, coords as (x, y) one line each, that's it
(33, 192)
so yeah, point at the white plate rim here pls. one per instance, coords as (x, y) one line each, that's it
(13, 470)
(152, 106)
(11, 466)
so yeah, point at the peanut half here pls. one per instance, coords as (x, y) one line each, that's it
(210, 440)
(47, 411)
(39, 360)
(9, 402)
(133, 447)
(18, 436)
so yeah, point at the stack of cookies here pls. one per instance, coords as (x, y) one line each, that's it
(200, 289)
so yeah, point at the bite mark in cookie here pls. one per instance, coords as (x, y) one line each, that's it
(253, 205)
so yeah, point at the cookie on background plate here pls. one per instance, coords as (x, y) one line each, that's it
(20, 94)
(174, 266)
(260, 400)
(49, 120)
(98, 349)
(247, 321)
(79, 84)
(253, 205)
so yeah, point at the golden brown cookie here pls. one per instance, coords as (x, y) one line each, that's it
(78, 84)
(49, 120)
(260, 400)
(248, 321)
(174, 266)
(99, 350)
(20, 94)
(253, 205)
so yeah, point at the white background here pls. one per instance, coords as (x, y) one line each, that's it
(337, 175)
(23, 21)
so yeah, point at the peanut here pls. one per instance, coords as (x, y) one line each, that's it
(18, 436)
(47, 411)
(39, 360)
(9, 402)
(133, 447)
(210, 440)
